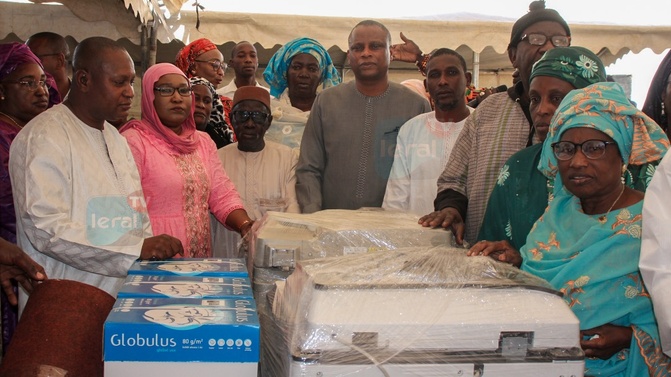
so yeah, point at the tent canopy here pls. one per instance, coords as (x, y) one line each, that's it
(79, 19)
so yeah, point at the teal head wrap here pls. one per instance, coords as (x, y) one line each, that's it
(605, 107)
(275, 73)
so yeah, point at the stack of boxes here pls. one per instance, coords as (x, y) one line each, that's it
(183, 317)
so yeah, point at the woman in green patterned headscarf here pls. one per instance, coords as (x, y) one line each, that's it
(520, 194)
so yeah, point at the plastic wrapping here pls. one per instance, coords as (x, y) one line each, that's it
(417, 311)
(280, 239)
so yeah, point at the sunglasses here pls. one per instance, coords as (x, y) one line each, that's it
(241, 116)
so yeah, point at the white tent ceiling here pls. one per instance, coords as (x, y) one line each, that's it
(82, 18)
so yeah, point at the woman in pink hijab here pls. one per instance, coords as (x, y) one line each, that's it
(182, 177)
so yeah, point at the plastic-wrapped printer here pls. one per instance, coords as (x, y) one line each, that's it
(418, 311)
(281, 239)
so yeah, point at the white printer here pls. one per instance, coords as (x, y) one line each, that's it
(281, 239)
(419, 311)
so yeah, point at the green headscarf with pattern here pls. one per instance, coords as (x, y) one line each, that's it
(576, 65)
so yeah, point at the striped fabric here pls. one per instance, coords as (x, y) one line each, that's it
(494, 132)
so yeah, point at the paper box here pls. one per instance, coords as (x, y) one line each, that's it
(191, 267)
(173, 336)
(185, 287)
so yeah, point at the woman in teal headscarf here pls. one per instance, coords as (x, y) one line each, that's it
(294, 73)
(587, 243)
(276, 73)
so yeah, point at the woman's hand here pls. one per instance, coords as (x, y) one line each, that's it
(605, 341)
(498, 250)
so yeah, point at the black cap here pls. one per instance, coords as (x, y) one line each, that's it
(537, 13)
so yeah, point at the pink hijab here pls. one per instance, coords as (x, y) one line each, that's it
(184, 143)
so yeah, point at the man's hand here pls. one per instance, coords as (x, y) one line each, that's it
(161, 247)
(605, 340)
(448, 218)
(17, 265)
(501, 251)
(408, 51)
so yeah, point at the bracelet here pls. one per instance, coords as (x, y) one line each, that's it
(244, 224)
(421, 63)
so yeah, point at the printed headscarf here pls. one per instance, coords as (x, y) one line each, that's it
(186, 57)
(13, 54)
(605, 107)
(216, 115)
(578, 66)
(197, 80)
(217, 122)
(187, 141)
(275, 73)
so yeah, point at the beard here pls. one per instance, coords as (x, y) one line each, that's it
(447, 105)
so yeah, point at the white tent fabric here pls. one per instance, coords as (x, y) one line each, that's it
(92, 10)
(146, 11)
(82, 18)
(267, 30)
(94, 18)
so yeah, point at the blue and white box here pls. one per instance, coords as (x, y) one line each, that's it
(178, 337)
(191, 267)
(185, 287)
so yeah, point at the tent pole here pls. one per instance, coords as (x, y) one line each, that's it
(476, 70)
(144, 57)
(152, 45)
(149, 47)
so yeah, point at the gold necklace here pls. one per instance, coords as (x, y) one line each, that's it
(11, 120)
(604, 218)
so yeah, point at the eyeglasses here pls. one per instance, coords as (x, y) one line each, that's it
(43, 55)
(241, 116)
(31, 85)
(216, 64)
(592, 149)
(537, 39)
(167, 91)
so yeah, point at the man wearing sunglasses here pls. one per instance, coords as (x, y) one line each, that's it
(498, 128)
(263, 171)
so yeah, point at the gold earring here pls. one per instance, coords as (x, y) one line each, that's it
(624, 171)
